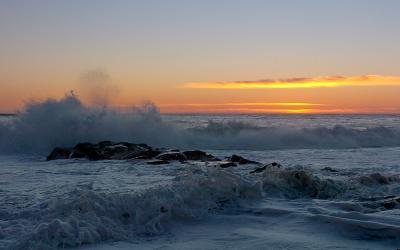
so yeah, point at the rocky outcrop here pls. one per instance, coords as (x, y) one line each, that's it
(226, 164)
(109, 150)
(329, 169)
(241, 160)
(105, 150)
(59, 153)
(197, 155)
(171, 156)
(86, 150)
(263, 168)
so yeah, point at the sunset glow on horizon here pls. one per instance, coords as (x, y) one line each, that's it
(318, 82)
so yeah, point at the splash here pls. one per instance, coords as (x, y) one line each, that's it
(65, 122)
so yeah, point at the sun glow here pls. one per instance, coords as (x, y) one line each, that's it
(251, 107)
(318, 82)
(244, 104)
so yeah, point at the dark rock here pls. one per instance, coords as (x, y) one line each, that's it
(163, 210)
(59, 153)
(261, 169)
(115, 149)
(86, 150)
(227, 164)
(133, 146)
(197, 155)
(124, 155)
(157, 162)
(241, 160)
(148, 154)
(125, 151)
(126, 215)
(144, 146)
(330, 169)
(103, 144)
(171, 156)
(389, 204)
(258, 170)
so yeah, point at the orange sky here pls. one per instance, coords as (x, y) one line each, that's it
(204, 56)
(329, 94)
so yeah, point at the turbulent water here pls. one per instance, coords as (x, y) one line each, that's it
(338, 187)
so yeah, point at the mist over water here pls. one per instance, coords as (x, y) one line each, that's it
(97, 88)
(65, 122)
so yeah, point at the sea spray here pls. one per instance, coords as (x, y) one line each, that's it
(44, 125)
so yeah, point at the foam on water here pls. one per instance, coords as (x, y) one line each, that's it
(339, 186)
(70, 203)
(85, 216)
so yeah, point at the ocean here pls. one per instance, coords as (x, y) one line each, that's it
(338, 186)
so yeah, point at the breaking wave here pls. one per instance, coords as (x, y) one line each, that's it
(85, 216)
(65, 122)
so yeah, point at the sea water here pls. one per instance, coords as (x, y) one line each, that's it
(338, 186)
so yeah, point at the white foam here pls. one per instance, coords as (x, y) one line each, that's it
(86, 216)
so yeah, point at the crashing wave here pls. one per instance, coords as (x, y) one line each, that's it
(85, 216)
(44, 125)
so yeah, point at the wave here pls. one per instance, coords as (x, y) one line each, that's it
(65, 122)
(85, 216)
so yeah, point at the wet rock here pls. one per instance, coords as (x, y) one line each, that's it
(171, 156)
(330, 169)
(103, 144)
(227, 164)
(59, 153)
(197, 155)
(85, 150)
(241, 160)
(105, 150)
(258, 170)
(144, 146)
(148, 154)
(126, 215)
(157, 162)
(133, 151)
(263, 168)
(115, 149)
(389, 204)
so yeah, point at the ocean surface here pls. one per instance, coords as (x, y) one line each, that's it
(338, 187)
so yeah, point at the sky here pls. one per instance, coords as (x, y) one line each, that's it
(287, 56)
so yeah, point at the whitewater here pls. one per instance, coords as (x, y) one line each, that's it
(337, 185)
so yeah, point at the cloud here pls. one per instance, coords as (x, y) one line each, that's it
(315, 82)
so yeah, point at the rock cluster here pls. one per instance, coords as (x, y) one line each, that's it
(105, 150)
(108, 150)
